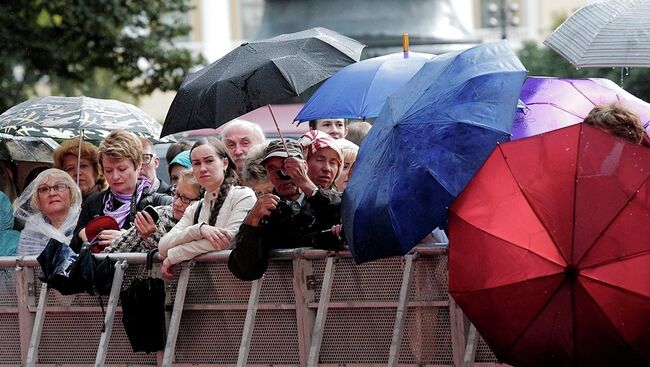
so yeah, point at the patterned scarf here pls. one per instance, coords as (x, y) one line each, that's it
(124, 209)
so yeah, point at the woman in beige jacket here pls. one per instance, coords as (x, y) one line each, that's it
(221, 211)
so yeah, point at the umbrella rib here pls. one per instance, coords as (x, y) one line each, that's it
(582, 93)
(608, 321)
(605, 228)
(532, 319)
(556, 106)
(611, 261)
(523, 193)
(623, 290)
(575, 188)
(515, 245)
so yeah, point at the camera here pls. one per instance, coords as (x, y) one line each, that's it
(284, 212)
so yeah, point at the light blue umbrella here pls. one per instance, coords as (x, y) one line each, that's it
(429, 140)
(359, 90)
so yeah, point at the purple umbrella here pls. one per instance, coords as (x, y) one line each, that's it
(553, 103)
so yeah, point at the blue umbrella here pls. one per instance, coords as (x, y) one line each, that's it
(429, 140)
(359, 90)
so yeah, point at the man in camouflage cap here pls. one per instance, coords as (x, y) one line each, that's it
(298, 213)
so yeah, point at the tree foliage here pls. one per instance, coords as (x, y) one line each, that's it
(91, 47)
(543, 61)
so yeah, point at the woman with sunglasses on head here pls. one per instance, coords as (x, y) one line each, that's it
(120, 155)
(210, 224)
(144, 235)
(49, 206)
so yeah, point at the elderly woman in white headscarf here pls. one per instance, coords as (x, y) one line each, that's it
(50, 207)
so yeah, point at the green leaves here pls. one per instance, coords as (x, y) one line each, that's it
(92, 47)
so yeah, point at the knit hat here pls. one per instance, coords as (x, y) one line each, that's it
(182, 159)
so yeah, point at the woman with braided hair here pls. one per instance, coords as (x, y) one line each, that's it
(220, 213)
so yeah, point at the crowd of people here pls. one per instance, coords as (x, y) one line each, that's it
(242, 193)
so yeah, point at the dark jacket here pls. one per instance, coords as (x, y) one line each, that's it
(94, 207)
(164, 188)
(249, 258)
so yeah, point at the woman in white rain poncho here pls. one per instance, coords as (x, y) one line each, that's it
(50, 207)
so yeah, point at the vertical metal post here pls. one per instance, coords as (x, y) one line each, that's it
(32, 353)
(457, 320)
(321, 315)
(24, 301)
(303, 294)
(118, 277)
(249, 324)
(402, 310)
(470, 349)
(172, 334)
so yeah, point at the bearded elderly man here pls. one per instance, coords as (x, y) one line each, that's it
(240, 136)
(298, 213)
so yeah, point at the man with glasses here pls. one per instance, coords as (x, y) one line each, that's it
(150, 161)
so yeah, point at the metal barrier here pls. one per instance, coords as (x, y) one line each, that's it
(311, 308)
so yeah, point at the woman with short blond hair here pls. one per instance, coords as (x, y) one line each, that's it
(144, 236)
(120, 155)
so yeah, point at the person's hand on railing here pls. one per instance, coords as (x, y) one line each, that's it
(336, 230)
(218, 237)
(167, 270)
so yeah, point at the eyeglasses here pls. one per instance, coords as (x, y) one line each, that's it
(184, 200)
(146, 158)
(60, 187)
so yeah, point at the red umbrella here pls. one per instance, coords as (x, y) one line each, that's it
(549, 251)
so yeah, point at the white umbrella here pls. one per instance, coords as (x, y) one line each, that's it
(606, 34)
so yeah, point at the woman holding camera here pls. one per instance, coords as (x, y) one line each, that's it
(211, 223)
(145, 234)
(120, 155)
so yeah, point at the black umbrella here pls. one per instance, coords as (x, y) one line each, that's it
(258, 73)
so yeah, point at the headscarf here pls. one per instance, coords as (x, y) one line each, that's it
(38, 228)
(8, 237)
(122, 212)
(315, 140)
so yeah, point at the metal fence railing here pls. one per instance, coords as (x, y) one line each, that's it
(311, 308)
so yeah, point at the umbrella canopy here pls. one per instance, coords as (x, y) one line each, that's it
(359, 91)
(553, 103)
(429, 140)
(604, 34)
(549, 250)
(258, 73)
(65, 117)
(26, 149)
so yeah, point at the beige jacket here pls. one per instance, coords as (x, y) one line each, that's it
(184, 241)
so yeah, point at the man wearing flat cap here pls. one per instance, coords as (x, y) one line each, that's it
(298, 213)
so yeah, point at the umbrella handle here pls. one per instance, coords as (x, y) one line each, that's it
(81, 139)
(281, 173)
(277, 127)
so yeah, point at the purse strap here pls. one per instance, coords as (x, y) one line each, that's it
(150, 256)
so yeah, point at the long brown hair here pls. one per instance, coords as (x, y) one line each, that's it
(230, 177)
